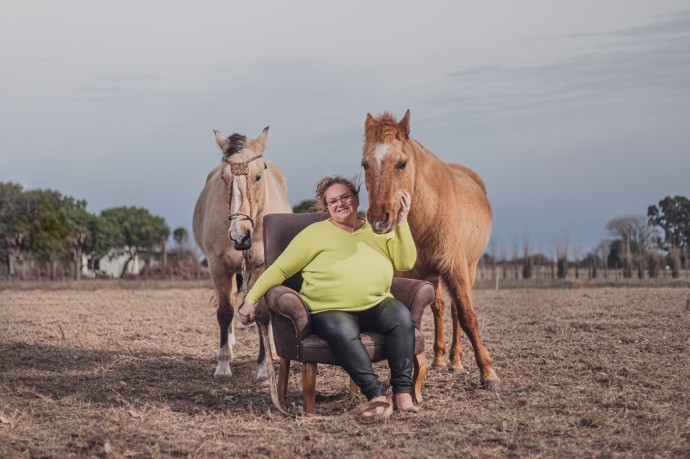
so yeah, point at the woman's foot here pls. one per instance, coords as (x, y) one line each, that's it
(378, 408)
(403, 403)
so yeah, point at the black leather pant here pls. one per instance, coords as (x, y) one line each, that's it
(390, 318)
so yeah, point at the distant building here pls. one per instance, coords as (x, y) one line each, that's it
(109, 266)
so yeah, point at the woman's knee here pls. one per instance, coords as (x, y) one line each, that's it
(338, 330)
(397, 314)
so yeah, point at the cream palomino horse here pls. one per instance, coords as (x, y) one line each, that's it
(228, 220)
(450, 220)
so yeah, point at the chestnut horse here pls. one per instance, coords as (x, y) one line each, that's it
(450, 220)
(228, 220)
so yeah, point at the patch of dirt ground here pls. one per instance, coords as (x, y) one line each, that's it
(128, 373)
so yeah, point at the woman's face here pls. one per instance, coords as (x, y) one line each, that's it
(342, 204)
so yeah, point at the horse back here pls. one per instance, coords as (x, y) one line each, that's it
(452, 215)
(462, 171)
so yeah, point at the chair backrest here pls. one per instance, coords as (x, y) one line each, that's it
(279, 230)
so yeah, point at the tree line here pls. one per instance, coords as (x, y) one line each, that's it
(51, 228)
(635, 245)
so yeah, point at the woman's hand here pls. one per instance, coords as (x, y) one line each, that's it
(405, 202)
(247, 313)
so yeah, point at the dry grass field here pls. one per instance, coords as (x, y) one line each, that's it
(587, 372)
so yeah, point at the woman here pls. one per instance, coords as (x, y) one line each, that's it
(347, 271)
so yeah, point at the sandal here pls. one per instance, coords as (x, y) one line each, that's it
(357, 412)
(413, 409)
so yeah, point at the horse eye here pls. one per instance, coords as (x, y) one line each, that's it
(365, 165)
(402, 165)
(258, 177)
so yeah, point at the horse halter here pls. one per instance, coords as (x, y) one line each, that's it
(241, 168)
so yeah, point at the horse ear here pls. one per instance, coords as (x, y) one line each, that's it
(261, 140)
(404, 125)
(369, 124)
(223, 143)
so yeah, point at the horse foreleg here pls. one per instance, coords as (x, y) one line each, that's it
(456, 345)
(232, 339)
(261, 360)
(225, 351)
(461, 291)
(438, 308)
(225, 314)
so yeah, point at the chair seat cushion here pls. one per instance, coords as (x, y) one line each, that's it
(314, 349)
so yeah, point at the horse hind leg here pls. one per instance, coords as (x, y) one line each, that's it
(456, 345)
(261, 315)
(438, 308)
(460, 289)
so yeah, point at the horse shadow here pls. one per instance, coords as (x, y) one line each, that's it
(111, 379)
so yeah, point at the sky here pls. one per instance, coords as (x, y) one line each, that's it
(573, 112)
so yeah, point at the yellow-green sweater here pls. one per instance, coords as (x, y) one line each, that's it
(341, 270)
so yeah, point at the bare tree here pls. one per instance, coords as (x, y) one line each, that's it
(494, 273)
(526, 258)
(674, 261)
(504, 263)
(562, 257)
(576, 254)
(605, 250)
(514, 261)
(627, 259)
(653, 264)
(635, 229)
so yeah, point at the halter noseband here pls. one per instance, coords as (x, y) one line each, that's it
(241, 168)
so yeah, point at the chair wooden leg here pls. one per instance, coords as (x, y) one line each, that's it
(309, 386)
(418, 373)
(354, 388)
(283, 376)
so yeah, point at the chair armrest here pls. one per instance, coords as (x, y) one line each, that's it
(415, 294)
(289, 315)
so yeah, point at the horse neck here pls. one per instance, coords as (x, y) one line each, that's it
(425, 199)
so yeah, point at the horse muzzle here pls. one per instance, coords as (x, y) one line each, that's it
(243, 242)
(381, 226)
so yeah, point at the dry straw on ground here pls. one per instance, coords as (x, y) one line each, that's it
(128, 373)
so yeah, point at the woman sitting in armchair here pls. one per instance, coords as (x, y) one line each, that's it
(347, 271)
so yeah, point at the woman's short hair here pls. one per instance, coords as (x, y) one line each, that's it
(325, 183)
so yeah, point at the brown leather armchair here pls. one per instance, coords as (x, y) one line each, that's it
(291, 322)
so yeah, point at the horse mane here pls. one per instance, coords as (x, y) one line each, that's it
(384, 128)
(236, 143)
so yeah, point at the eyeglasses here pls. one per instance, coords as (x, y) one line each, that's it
(345, 199)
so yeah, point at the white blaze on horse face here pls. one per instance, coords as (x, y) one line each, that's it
(237, 195)
(379, 152)
(236, 231)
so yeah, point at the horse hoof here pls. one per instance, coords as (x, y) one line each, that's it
(223, 370)
(492, 386)
(262, 374)
(438, 364)
(457, 368)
